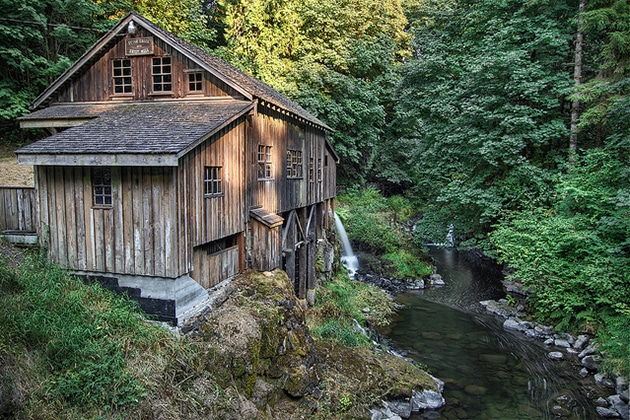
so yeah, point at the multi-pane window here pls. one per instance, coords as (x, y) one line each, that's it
(320, 175)
(121, 73)
(264, 162)
(162, 77)
(102, 186)
(311, 170)
(212, 182)
(195, 81)
(295, 166)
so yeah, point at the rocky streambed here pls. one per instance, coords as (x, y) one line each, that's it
(495, 363)
(609, 394)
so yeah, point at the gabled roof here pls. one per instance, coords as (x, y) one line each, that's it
(245, 84)
(140, 133)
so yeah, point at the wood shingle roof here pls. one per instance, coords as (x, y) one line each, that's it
(142, 130)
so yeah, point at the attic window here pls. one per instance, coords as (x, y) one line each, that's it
(195, 82)
(162, 77)
(102, 187)
(121, 74)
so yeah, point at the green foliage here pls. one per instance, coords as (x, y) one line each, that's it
(369, 220)
(408, 264)
(483, 101)
(575, 254)
(338, 60)
(82, 333)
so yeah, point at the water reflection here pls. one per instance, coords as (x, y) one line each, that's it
(489, 373)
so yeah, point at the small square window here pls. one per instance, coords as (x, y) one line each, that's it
(195, 82)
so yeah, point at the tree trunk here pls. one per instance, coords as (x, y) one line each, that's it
(577, 77)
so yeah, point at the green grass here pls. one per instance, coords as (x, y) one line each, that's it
(342, 300)
(68, 343)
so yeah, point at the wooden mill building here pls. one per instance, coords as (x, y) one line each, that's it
(168, 171)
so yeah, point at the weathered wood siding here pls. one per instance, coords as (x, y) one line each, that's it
(211, 269)
(17, 209)
(96, 84)
(137, 235)
(211, 218)
(280, 193)
(266, 251)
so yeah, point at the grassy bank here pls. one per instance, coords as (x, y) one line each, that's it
(70, 350)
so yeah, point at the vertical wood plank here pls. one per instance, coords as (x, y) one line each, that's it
(138, 221)
(147, 229)
(79, 198)
(60, 216)
(117, 221)
(90, 223)
(70, 230)
(126, 197)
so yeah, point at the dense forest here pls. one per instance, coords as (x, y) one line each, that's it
(509, 119)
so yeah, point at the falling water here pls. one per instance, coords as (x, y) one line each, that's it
(348, 259)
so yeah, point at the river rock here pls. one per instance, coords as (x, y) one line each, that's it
(516, 324)
(581, 341)
(592, 362)
(426, 400)
(384, 413)
(618, 405)
(607, 413)
(399, 408)
(555, 355)
(496, 308)
(621, 386)
(590, 349)
(561, 343)
(436, 280)
(584, 372)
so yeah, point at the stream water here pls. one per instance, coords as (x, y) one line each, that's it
(489, 373)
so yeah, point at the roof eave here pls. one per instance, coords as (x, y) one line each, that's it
(104, 159)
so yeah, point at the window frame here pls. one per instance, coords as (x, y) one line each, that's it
(125, 85)
(295, 164)
(161, 75)
(197, 83)
(102, 191)
(264, 163)
(213, 181)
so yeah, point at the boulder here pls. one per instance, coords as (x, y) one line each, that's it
(607, 413)
(426, 400)
(581, 341)
(592, 362)
(555, 355)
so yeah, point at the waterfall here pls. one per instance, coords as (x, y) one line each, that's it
(348, 259)
(449, 242)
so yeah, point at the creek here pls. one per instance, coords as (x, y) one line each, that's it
(490, 373)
